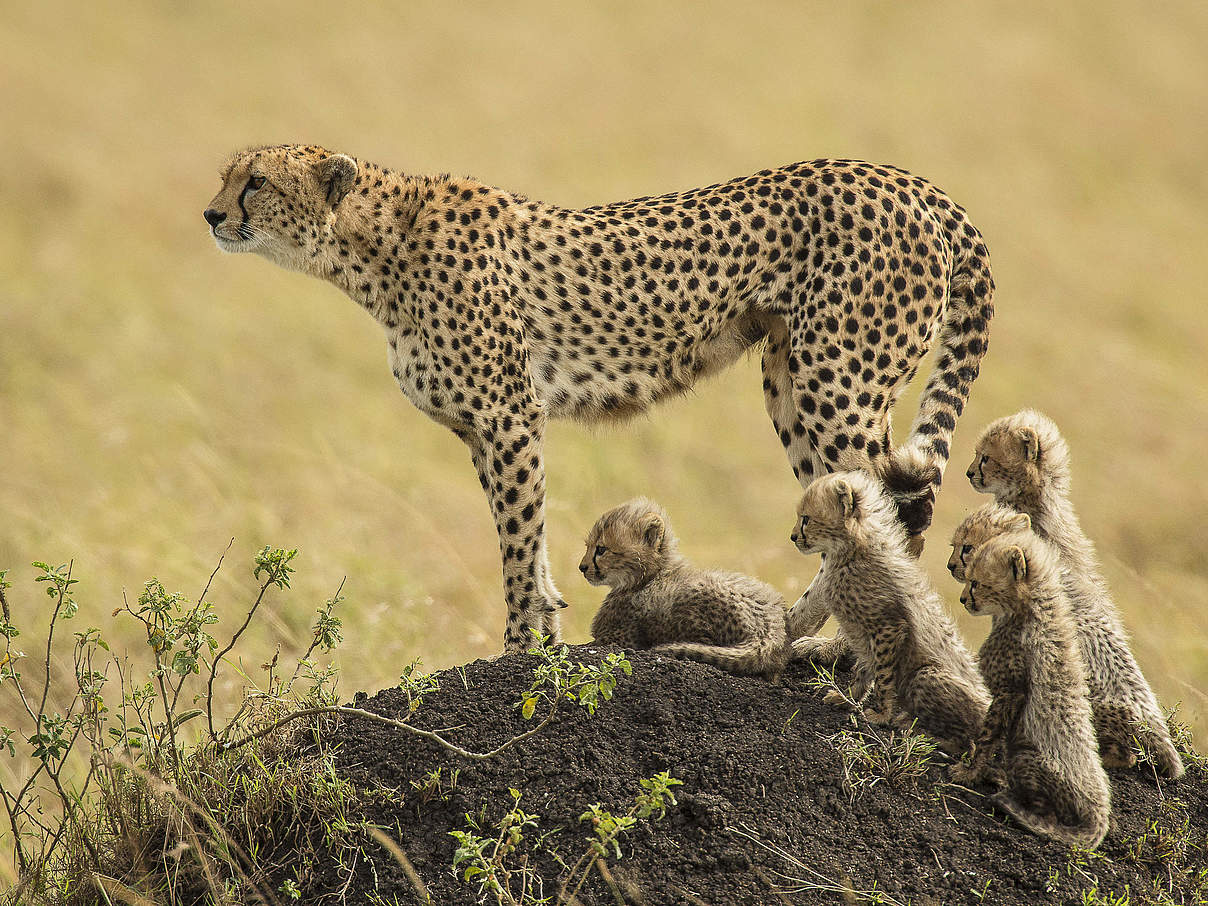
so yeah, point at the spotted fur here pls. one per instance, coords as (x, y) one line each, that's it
(659, 600)
(906, 646)
(501, 312)
(1025, 463)
(1040, 715)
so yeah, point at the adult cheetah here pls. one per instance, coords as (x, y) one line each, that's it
(501, 312)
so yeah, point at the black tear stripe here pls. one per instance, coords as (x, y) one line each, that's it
(243, 211)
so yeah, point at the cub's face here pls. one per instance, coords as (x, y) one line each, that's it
(626, 546)
(980, 526)
(1005, 460)
(277, 202)
(995, 579)
(828, 512)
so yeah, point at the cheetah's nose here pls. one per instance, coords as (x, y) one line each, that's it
(213, 217)
(583, 568)
(969, 473)
(793, 537)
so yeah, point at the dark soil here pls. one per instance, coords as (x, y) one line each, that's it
(755, 763)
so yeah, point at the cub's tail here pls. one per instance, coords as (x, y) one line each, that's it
(760, 656)
(1087, 835)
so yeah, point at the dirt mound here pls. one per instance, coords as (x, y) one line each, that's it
(764, 814)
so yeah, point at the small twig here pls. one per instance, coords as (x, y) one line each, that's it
(610, 881)
(221, 557)
(272, 578)
(348, 711)
(50, 638)
(314, 643)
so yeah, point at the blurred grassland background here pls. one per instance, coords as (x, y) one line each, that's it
(158, 398)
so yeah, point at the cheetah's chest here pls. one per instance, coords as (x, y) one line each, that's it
(413, 367)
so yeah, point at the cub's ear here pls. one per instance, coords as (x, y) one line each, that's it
(337, 175)
(1019, 564)
(1030, 443)
(845, 497)
(1019, 522)
(653, 529)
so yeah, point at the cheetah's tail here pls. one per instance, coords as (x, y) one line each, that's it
(1087, 836)
(913, 472)
(761, 656)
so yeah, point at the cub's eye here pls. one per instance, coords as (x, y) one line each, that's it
(973, 585)
(985, 459)
(255, 182)
(805, 520)
(601, 549)
(966, 548)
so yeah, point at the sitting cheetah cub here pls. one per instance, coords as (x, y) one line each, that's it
(1040, 718)
(660, 600)
(986, 522)
(1025, 463)
(898, 629)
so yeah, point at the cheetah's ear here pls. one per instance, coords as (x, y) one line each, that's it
(1030, 444)
(653, 530)
(1019, 564)
(337, 175)
(1019, 522)
(845, 497)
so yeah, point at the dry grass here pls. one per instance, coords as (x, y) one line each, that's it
(157, 398)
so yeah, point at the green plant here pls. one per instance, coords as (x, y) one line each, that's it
(150, 809)
(869, 754)
(1093, 897)
(416, 684)
(1174, 853)
(494, 856)
(434, 786)
(556, 679)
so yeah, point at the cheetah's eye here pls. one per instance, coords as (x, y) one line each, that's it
(254, 183)
(805, 520)
(966, 548)
(985, 459)
(973, 585)
(600, 550)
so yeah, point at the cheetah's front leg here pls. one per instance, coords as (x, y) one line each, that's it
(507, 452)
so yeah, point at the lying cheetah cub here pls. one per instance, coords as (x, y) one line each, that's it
(1040, 718)
(898, 629)
(658, 599)
(1025, 463)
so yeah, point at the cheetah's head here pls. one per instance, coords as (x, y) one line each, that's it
(1005, 574)
(280, 202)
(842, 508)
(628, 545)
(980, 526)
(1017, 456)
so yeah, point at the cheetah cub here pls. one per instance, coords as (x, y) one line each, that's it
(905, 644)
(1025, 463)
(1040, 717)
(658, 599)
(986, 522)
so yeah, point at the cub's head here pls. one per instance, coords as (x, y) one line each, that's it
(279, 201)
(842, 508)
(1018, 456)
(1006, 574)
(628, 545)
(980, 526)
